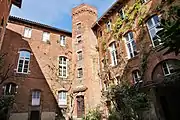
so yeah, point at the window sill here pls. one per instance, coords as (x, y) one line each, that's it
(133, 58)
(62, 45)
(63, 77)
(35, 105)
(62, 106)
(26, 37)
(146, 2)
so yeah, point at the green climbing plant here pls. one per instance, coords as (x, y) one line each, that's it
(129, 101)
(94, 114)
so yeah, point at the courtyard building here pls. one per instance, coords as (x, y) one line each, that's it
(55, 74)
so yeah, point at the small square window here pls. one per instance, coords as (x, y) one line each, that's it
(46, 36)
(27, 32)
(62, 40)
(79, 39)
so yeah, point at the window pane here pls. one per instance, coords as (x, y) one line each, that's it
(156, 19)
(25, 70)
(130, 35)
(62, 66)
(165, 68)
(150, 23)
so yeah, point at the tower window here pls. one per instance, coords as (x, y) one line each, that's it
(113, 54)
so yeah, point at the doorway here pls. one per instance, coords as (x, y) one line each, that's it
(35, 115)
(169, 98)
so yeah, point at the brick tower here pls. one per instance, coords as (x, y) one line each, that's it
(85, 58)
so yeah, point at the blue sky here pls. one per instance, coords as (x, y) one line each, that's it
(56, 13)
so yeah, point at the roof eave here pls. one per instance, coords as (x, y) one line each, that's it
(32, 23)
(17, 3)
(107, 13)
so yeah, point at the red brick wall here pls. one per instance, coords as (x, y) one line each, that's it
(5, 6)
(43, 58)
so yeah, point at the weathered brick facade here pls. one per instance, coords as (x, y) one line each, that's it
(124, 69)
(87, 48)
(5, 7)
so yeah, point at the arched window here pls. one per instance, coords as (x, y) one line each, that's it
(23, 62)
(131, 45)
(113, 54)
(165, 68)
(63, 67)
(170, 67)
(10, 89)
(152, 24)
(136, 76)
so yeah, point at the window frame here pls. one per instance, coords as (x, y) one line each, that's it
(79, 55)
(36, 98)
(80, 72)
(24, 60)
(61, 65)
(78, 38)
(80, 106)
(167, 67)
(153, 27)
(129, 43)
(10, 89)
(62, 98)
(62, 40)
(144, 1)
(109, 25)
(122, 16)
(29, 32)
(44, 39)
(113, 54)
(78, 26)
(138, 79)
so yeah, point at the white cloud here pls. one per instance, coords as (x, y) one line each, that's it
(55, 12)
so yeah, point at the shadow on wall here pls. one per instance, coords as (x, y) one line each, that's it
(13, 43)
